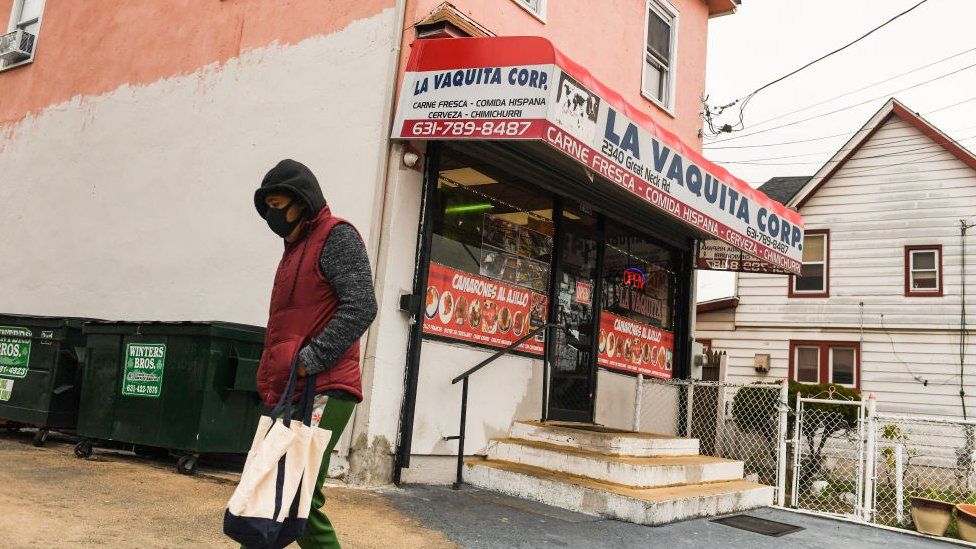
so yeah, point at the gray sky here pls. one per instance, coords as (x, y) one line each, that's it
(769, 38)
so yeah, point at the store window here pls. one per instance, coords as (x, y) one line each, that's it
(814, 279)
(659, 53)
(637, 304)
(491, 255)
(836, 362)
(923, 270)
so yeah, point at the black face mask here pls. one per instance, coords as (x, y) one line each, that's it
(278, 222)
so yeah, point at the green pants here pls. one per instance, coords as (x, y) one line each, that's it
(319, 533)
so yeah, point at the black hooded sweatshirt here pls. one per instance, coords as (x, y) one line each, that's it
(343, 261)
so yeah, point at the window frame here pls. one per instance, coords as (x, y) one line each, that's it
(541, 14)
(825, 356)
(791, 283)
(667, 8)
(909, 253)
(13, 23)
(795, 354)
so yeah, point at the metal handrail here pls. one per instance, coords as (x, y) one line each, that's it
(464, 390)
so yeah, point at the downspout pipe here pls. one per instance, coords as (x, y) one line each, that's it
(962, 317)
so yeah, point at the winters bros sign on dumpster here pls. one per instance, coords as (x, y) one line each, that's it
(15, 348)
(522, 88)
(143, 374)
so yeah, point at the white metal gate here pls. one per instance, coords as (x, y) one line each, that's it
(828, 456)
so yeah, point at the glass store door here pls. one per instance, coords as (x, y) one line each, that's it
(573, 368)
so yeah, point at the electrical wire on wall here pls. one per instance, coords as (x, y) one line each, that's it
(963, 226)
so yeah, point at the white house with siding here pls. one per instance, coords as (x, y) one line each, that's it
(880, 305)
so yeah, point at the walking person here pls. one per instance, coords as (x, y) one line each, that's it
(322, 302)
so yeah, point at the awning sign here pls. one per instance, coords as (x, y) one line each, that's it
(504, 88)
(716, 255)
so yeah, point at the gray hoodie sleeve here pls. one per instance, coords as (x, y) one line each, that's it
(345, 264)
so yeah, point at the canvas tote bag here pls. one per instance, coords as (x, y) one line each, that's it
(269, 508)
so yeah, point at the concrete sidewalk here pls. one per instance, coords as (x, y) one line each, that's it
(477, 519)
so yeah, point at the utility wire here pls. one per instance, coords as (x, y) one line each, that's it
(889, 79)
(810, 140)
(709, 112)
(816, 117)
(920, 138)
(759, 162)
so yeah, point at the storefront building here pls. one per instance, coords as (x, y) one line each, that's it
(501, 184)
(553, 207)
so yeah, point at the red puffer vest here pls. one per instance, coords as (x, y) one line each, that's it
(302, 303)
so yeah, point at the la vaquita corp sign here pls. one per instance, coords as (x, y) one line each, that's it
(144, 363)
(522, 88)
(15, 348)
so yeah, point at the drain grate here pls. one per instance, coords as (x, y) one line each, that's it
(759, 525)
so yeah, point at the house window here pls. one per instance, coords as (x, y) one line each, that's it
(535, 7)
(808, 364)
(836, 362)
(923, 270)
(659, 53)
(814, 280)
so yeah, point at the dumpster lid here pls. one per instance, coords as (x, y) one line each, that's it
(44, 321)
(212, 328)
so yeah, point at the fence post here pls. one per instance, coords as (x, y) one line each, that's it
(869, 464)
(783, 407)
(899, 485)
(689, 401)
(796, 448)
(638, 400)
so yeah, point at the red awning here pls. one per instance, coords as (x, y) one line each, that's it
(510, 88)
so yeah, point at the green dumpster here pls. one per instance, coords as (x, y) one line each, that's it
(185, 387)
(39, 372)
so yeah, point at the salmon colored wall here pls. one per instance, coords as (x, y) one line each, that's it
(606, 37)
(91, 47)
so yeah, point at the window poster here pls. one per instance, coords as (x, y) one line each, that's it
(635, 347)
(478, 309)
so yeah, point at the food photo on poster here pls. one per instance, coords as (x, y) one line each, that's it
(634, 347)
(479, 310)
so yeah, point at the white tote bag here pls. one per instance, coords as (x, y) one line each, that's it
(269, 508)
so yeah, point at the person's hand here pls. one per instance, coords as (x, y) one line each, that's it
(301, 370)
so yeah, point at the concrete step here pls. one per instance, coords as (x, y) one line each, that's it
(601, 440)
(649, 506)
(638, 472)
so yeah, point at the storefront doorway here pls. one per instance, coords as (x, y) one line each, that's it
(508, 255)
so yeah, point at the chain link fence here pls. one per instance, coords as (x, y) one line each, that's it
(828, 456)
(730, 420)
(920, 457)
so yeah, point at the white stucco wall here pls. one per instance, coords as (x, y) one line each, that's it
(137, 204)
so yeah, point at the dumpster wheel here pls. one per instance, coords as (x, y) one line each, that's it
(40, 437)
(84, 449)
(187, 465)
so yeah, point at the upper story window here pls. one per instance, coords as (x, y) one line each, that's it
(814, 282)
(25, 16)
(923, 270)
(835, 362)
(661, 43)
(535, 7)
